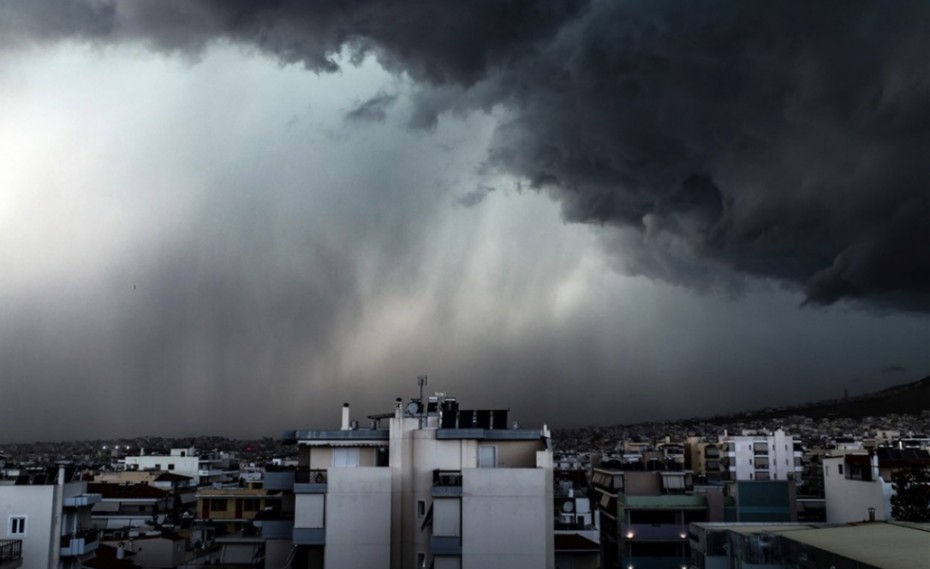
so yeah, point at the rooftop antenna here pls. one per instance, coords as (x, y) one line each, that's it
(421, 381)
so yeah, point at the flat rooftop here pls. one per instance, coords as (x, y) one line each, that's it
(883, 545)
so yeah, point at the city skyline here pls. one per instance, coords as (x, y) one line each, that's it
(230, 218)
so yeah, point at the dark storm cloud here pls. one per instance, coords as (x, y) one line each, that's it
(782, 140)
(373, 109)
(475, 196)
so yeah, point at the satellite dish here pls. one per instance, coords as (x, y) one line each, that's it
(413, 408)
(568, 507)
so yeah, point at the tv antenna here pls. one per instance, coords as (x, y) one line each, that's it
(422, 381)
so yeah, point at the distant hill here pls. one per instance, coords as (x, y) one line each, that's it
(907, 399)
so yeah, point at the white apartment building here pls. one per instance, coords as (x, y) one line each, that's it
(51, 519)
(760, 456)
(203, 470)
(858, 487)
(439, 488)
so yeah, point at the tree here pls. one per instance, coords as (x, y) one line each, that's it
(911, 502)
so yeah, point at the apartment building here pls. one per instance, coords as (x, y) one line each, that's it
(439, 487)
(234, 508)
(857, 486)
(46, 519)
(704, 459)
(644, 515)
(761, 456)
(216, 469)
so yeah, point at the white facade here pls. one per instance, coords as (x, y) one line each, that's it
(416, 495)
(769, 456)
(186, 462)
(53, 522)
(852, 500)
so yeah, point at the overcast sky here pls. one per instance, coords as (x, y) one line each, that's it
(231, 217)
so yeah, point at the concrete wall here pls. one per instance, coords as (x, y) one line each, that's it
(505, 521)
(310, 511)
(447, 516)
(37, 504)
(321, 457)
(358, 518)
(156, 552)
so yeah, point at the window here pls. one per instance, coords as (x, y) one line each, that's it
(218, 505)
(421, 508)
(16, 526)
(839, 469)
(170, 466)
(487, 457)
(157, 466)
(421, 560)
(251, 504)
(345, 457)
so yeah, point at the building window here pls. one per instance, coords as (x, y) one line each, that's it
(217, 505)
(421, 508)
(16, 526)
(157, 466)
(421, 560)
(251, 504)
(170, 467)
(839, 469)
(345, 457)
(487, 457)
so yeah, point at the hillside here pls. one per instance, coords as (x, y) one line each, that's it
(907, 399)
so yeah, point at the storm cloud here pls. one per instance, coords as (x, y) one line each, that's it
(781, 141)
(234, 216)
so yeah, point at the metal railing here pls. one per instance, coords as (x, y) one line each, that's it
(447, 477)
(10, 549)
(89, 536)
(310, 476)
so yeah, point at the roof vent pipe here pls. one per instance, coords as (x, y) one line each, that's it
(345, 417)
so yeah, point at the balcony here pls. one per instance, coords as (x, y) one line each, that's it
(309, 536)
(447, 483)
(279, 480)
(11, 553)
(310, 481)
(281, 527)
(79, 543)
(81, 500)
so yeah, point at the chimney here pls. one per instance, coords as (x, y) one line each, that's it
(345, 417)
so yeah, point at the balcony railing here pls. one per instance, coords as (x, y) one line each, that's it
(79, 543)
(447, 477)
(310, 476)
(10, 550)
(311, 481)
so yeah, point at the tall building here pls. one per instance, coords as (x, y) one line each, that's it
(440, 487)
(760, 456)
